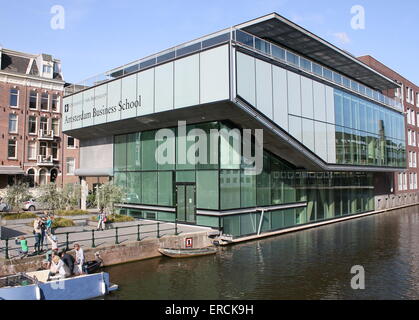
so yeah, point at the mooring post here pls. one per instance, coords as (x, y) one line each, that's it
(176, 227)
(116, 235)
(66, 241)
(7, 249)
(138, 232)
(93, 239)
(158, 229)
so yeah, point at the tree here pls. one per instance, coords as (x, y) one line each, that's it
(15, 195)
(107, 195)
(51, 196)
(71, 194)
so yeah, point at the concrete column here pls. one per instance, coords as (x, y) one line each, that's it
(84, 193)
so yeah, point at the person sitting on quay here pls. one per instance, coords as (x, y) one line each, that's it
(23, 251)
(58, 268)
(78, 267)
(68, 260)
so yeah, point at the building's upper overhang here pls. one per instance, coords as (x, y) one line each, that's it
(276, 28)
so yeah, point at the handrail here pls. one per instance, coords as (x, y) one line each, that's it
(65, 244)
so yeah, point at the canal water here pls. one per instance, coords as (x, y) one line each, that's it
(310, 264)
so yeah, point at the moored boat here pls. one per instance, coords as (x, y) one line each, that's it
(186, 253)
(37, 286)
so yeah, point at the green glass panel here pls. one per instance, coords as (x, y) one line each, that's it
(230, 189)
(208, 221)
(231, 225)
(289, 218)
(166, 216)
(207, 189)
(149, 188)
(249, 224)
(185, 176)
(190, 203)
(165, 188)
(247, 190)
(120, 153)
(277, 218)
(148, 150)
(180, 202)
(133, 187)
(133, 152)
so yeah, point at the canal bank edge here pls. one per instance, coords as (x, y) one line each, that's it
(115, 254)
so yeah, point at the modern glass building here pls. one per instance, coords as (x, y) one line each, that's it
(331, 139)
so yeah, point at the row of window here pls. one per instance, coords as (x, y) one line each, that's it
(33, 125)
(413, 181)
(32, 150)
(36, 100)
(412, 159)
(411, 138)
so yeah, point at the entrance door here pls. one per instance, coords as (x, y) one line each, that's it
(185, 209)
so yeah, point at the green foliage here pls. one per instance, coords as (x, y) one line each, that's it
(17, 216)
(56, 198)
(62, 222)
(107, 195)
(71, 213)
(112, 218)
(16, 194)
(50, 196)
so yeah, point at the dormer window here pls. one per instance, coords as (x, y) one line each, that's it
(46, 68)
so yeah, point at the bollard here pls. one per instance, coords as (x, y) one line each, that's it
(158, 229)
(138, 232)
(176, 227)
(93, 239)
(116, 235)
(7, 249)
(66, 241)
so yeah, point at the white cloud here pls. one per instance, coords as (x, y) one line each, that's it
(342, 37)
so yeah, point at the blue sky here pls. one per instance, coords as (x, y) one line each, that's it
(103, 34)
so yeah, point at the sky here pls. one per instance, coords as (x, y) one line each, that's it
(99, 35)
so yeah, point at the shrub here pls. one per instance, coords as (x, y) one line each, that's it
(64, 213)
(62, 222)
(16, 216)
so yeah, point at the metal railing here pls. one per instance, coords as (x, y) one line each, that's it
(139, 233)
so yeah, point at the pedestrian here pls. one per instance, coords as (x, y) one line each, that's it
(78, 267)
(37, 231)
(68, 260)
(101, 220)
(23, 251)
(48, 224)
(43, 233)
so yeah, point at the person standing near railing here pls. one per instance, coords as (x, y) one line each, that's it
(78, 267)
(101, 220)
(37, 231)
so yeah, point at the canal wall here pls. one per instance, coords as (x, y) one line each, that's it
(116, 254)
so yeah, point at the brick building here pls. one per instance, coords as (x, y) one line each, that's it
(404, 181)
(32, 145)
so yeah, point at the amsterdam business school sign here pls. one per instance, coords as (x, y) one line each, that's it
(97, 112)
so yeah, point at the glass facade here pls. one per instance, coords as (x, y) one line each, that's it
(368, 134)
(222, 184)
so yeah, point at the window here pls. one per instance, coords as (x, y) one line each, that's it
(14, 97)
(408, 116)
(55, 102)
(43, 125)
(55, 126)
(12, 123)
(44, 101)
(54, 150)
(70, 142)
(32, 124)
(46, 68)
(31, 176)
(70, 165)
(42, 176)
(12, 149)
(43, 149)
(400, 180)
(31, 150)
(33, 99)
